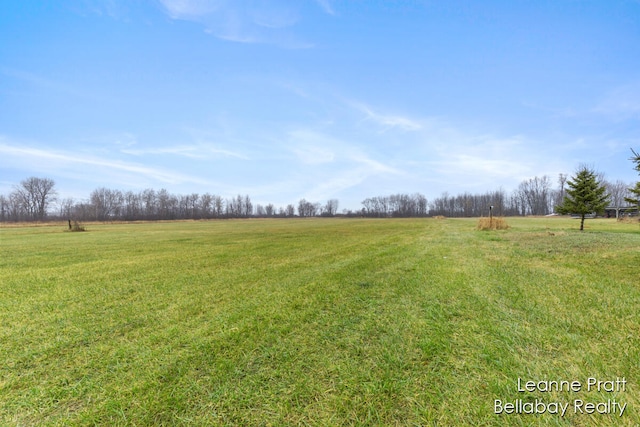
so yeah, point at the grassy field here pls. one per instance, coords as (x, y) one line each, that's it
(320, 322)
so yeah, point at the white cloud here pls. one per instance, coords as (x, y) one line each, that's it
(387, 121)
(331, 165)
(199, 151)
(326, 6)
(334, 184)
(242, 21)
(190, 9)
(39, 159)
(311, 147)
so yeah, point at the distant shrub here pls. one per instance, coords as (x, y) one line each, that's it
(628, 219)
(439, 217)
(76, 226)
(492, 224)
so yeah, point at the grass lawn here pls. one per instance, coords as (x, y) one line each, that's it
(318, 322)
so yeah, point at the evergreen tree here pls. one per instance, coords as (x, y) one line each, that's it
(635, 199)
(584, 196)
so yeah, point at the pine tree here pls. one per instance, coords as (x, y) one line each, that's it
(635, 190)
(584, 196)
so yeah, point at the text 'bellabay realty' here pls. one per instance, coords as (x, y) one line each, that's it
(579, 406)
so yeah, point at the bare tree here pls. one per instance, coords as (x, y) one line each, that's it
(269, 210)
(239, 207)
(330, 208)
(536, 195)
(149, 203)
(167, 204)
(66, 208)
(290, 210)
(132, 206)
(218, 206)
(260, 211)
(206, 205)
(35, 195)
(562, 180)
(617, 191)
(397, 205)
(247, 207)
(4, 208)
(107, 204)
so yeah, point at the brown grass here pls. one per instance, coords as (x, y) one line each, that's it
(76, 226)
(628, 220)
(492, 224)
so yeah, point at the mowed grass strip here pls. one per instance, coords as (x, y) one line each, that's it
(314, 322)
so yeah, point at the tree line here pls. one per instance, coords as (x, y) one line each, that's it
(35, 199)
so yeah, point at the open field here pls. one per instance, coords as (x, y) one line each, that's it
(317, 322)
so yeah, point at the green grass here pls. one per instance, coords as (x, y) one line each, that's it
(315, 322)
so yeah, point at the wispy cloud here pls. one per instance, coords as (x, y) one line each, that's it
(386, 121)
(314, 147)
(199, 151)
(311, 147)
(42, 159)
(330, 165)
(191, 9)
(242, 21)
(326, 6)
(336, 183)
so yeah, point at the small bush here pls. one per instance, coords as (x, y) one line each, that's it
(439, 217)
(492, 224)
(76, 226)
(628, 219)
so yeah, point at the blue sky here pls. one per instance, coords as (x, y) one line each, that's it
(316, 99)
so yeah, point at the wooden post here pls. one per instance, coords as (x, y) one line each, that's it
(491, 217)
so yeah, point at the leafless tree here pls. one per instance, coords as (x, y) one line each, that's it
(107, 203)
(396, 205)
(306, 209)
(536, 194)
(132, 206)
(218, 206)
(149, 203)
(559, 194)
(617, 191)
(66, 208)
(206, 205)
(247, 207)
(290, 210)
(34, 195)
(4, 208)
(269, 210)
(331, 208)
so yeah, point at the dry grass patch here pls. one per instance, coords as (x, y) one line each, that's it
(76, 226)
(492, 224)
(629, 220)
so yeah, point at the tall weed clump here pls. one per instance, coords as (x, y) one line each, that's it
(492, 224)
(76, 226)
